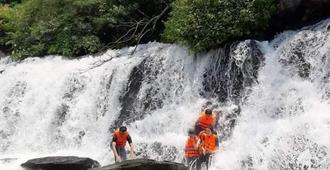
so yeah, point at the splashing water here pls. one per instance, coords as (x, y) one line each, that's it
(274, 97)
(285, 120)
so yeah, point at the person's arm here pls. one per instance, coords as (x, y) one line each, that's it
(200, 143)
(113, 147)
(214, 122)
(132, 148)
(217, 118)
(132, 153)
(196, 144)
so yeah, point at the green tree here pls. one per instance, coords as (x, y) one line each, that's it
(76, 27)
(203, 25)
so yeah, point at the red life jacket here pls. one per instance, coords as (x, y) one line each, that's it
(205, 121)
(190, 150)
(209, 142)
(121, 139)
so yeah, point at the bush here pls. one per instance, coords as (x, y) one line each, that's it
(72, 27)
(202, 25)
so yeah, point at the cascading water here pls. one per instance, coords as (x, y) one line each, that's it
(274, 118)
(285, 120)
(53, 106)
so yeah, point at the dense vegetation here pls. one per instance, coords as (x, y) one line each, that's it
(78, 27)
(203, 25)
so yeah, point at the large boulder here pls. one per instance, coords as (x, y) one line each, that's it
(60, 163)
(144, 164)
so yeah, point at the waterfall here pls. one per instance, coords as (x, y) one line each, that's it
(285, 120)
(274, 98)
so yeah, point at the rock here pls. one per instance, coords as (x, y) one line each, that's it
(293, 14)
(231, 70)
(2, 54)
(143, 164)
(128, 100)
(60, 163)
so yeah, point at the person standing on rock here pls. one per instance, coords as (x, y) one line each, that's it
(119, 140)
(191, 149)
(208, 144)
(206, 119)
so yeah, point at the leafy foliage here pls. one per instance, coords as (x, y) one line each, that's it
(202, 25)
(78, 27)
(70, 27)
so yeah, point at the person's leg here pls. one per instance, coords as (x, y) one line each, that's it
(188, 162)
(199, 163)
(122, 153)
(193, 163)
(117, 149)
(207, 160)
(201, 160)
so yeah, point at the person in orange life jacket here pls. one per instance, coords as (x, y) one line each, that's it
(191, 149)
(209, 144)
(205, 120)
(118, 144)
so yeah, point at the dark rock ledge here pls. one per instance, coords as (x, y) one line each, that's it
(144, 164)
(60, 163)
(78, 163)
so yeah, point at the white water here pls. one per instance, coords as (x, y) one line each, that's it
(285, 121)
(54, 106)
(34, 93)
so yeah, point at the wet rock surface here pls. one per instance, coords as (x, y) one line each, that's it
(143, 164)
(2, 54)
(231, 69)
(60, 163)
(292, 14)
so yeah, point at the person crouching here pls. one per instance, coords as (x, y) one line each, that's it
(191, 149)
(208, 142)
(118, 144)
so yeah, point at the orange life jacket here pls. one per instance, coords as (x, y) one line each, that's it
(205, 121)
(121, 139)
(209, 142)
(190, 150)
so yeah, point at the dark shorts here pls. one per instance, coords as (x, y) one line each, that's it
(121, 152)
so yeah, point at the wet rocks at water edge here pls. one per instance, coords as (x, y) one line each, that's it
(144, 164)
(60, 163)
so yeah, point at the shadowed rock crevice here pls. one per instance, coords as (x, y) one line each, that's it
(231, 70)
(130, 96)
